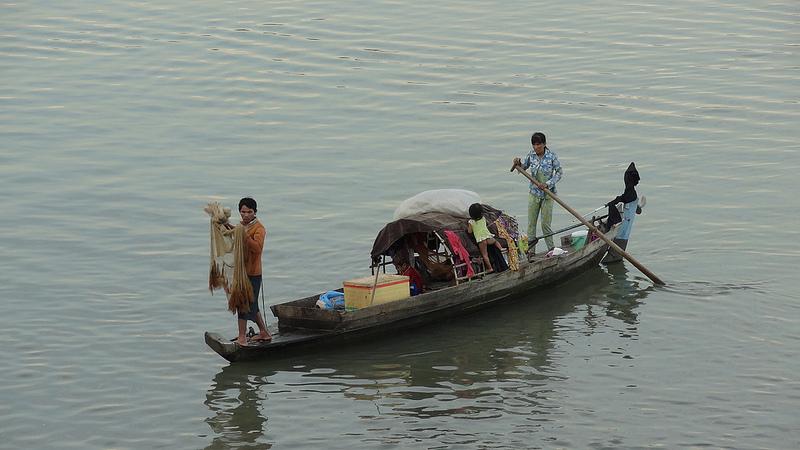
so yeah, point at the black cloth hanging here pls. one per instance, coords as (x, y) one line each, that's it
(499, 263)
(631, 179)
(613, 215)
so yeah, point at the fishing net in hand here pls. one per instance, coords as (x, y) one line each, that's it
(227, 252)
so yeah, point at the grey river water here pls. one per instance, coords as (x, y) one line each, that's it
(120, 120)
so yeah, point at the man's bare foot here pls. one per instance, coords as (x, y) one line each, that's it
(241, 341)
(490, 270)
(263, 337)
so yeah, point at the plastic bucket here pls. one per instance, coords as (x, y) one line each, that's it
(579, 239)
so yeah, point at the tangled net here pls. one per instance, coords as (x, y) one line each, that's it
(227, 265)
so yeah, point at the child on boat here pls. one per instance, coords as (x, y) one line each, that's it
(477, 226)
(416, 284)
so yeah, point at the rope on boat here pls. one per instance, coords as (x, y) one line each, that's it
(263, 308)
(591, 212)
(571, 227)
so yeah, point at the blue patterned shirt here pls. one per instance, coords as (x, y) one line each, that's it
(546, 169)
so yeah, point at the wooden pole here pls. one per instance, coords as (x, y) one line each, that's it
(375, 283)
(599, 233)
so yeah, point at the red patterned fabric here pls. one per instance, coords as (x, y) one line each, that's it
(459, 250)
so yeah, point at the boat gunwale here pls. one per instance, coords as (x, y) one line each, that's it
(428, 302)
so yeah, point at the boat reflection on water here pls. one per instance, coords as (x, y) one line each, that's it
(491, 364)
(236, 398)
(625, 293)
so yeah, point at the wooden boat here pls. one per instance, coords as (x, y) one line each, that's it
(301, 325)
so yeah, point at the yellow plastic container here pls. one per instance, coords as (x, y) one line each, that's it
(390, 288)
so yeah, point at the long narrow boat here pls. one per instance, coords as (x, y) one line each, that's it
(302, 325)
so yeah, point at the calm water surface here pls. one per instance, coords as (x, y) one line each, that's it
(120, 120)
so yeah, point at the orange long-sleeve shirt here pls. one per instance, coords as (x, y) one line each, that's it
(256, 233)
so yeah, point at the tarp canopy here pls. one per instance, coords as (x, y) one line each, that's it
(436, 221)
(449, 201)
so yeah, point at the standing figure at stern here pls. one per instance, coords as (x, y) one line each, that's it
(546, 171)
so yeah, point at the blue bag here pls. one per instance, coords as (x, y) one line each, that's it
(331, 300)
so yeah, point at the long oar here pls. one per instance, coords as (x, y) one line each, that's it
(599, 233)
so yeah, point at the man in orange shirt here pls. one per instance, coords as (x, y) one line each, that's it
(254, 246)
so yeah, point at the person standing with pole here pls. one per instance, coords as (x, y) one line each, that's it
(588, 225)
(545, 171)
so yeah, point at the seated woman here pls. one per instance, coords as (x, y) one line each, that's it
(437, 271)
(415, 279)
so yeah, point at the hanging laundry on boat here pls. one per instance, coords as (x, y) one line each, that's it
(630, 207)
(460, 251)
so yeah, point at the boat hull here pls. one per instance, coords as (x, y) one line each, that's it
(612, 256)
(303, 326)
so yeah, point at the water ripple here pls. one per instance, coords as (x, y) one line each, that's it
(120, 120)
